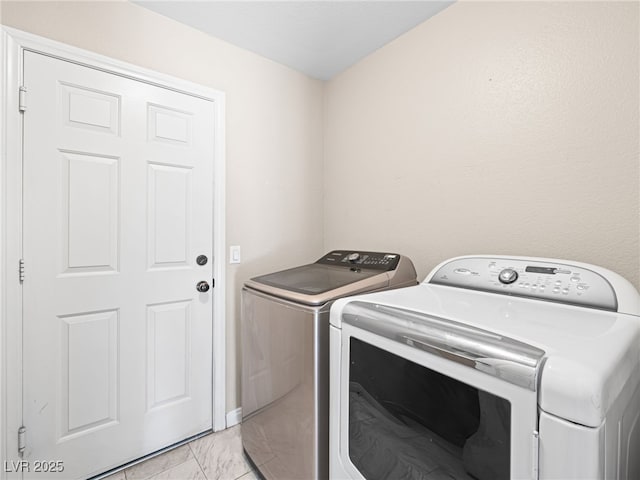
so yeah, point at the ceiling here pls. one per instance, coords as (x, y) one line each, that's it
(320, 38)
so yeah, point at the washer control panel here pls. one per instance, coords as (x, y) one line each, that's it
(370, 260)
(550, 281)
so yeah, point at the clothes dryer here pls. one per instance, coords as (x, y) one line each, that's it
(493, 368)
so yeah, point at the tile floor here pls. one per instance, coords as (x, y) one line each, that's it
(217, 456)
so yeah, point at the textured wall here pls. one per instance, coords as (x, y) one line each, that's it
(493, 127)
(273, 130)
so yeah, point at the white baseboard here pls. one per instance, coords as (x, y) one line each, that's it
(234, 417)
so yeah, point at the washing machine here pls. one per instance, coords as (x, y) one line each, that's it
(492, 368)
(285, 356)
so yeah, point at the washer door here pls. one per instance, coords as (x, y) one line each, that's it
(405, 412)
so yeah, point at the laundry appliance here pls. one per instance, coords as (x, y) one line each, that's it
(492, 368)
(285, 356)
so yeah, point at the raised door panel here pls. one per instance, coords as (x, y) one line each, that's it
(169, 353)
(87, 108)
(169, 125)
(169, 211)
(90, 212)
(89, 382)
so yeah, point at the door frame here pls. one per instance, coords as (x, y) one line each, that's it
(12, 45)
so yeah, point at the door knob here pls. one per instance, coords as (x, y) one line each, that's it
(202, 286)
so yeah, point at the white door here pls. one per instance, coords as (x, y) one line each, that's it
(118, 180)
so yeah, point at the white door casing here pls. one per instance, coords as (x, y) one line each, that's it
(110, 240)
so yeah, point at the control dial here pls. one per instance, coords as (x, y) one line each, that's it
(507, 276)
(352, 257)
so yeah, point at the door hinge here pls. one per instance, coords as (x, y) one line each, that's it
(22, 431)
(21, 270)
(535, 457)
(22, 99)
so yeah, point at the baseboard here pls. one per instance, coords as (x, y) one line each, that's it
(234, 417)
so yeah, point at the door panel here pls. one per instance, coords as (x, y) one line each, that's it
(169, 215)
(89, 213)
(168, 353)
(168, 125)
(89, 393)
(118, 179)
(83, 107)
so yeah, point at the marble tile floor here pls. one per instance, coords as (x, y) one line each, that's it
(217, 456)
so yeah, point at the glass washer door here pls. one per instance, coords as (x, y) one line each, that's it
(406, 413)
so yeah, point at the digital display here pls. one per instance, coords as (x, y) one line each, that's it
(547, 270)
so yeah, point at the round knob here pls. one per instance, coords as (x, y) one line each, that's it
(202, 287)
(352, 257)
(507, 276)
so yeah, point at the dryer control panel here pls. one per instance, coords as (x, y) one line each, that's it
(532, 278)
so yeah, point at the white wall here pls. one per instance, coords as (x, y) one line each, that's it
(493, 127)
(273, 128)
